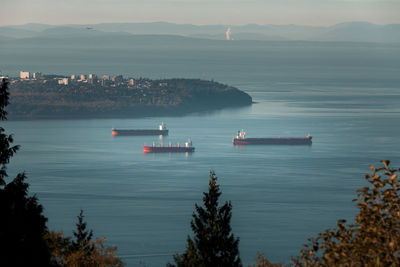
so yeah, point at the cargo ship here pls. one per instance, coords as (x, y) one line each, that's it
(170, 148)
(162, 130)
(240, 139)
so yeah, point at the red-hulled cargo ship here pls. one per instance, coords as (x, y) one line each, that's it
(161, 148)
(162, 130)
(241, 139)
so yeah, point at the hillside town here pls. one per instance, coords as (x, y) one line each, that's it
(82, 79)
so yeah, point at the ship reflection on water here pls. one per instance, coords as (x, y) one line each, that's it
(169, 155)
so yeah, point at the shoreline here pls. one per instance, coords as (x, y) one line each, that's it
(161, 114)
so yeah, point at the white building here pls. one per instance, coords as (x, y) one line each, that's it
(92, 78)
(117, 79)
(63, 81)
(36, 75)
(82, 77)
(24, 75)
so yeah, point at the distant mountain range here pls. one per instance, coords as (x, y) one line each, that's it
(343, 32)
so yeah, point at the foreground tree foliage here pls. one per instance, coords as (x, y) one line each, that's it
(213, 243)
(82, 251)
(7, 150)
(261, 261)
(22, 224)
(374, 239)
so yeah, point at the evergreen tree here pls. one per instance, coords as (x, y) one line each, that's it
(22, 224)
(83, 251)
(6, 148)
(82, 235)
(213, 243)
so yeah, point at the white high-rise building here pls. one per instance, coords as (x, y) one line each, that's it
(24, 75)
(92, 78)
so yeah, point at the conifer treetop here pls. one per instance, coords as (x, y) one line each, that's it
(213, 243)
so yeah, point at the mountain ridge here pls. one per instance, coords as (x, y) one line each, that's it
(356, 31)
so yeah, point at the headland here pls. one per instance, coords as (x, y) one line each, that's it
(37, 96)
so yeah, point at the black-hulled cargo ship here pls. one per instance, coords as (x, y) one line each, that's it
(240, 139)
(162, 130)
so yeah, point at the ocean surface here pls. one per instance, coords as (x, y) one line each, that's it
(347, 96)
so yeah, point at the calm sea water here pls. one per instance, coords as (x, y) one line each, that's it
(347, 97)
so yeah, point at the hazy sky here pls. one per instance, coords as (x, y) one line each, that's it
(232, 12)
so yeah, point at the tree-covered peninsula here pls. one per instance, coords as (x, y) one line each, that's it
(58, 97)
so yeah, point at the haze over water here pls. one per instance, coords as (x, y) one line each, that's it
(345, 94)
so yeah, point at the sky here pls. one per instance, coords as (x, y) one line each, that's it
(200, 12)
